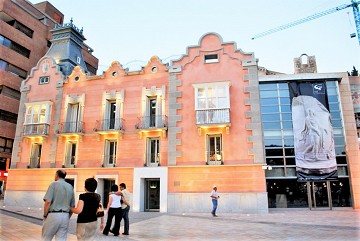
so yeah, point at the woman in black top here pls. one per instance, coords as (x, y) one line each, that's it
(86, 208)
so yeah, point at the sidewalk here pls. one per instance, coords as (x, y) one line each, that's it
(279, 224)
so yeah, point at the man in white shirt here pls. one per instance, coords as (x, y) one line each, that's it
(214, 198)
(125, 207)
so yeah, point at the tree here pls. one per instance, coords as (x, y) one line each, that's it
(354, 72)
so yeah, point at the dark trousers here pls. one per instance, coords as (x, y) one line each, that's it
(125, 216)
(117, 212)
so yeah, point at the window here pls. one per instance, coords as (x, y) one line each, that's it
(35, 155)
(110, 153)
(21, 27)
(44, 80)
(8, 116)
(73, 123)
(6, 144)
(14, 46)
(212, 103)
(70, 154)
(214, 150)
(153, 152)
(13, 69)
(211, 58)
(9, 92)
(38, 113)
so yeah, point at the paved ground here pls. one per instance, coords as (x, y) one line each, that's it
(280, 224)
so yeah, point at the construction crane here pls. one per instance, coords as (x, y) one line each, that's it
(354, 4)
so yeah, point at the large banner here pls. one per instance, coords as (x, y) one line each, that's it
(313, 133)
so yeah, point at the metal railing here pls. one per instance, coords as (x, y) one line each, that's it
(213, 116)
(71, 127)
(109, 124)
(148, 122)
(214, 158)
(36, 129)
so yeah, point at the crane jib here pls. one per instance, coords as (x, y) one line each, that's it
(354, 4)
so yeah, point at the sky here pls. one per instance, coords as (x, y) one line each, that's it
(132, 31)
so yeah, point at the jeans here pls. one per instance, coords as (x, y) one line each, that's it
(215, 204)
(126, 219)
(111, 213)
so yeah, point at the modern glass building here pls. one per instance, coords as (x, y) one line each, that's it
(284, 191)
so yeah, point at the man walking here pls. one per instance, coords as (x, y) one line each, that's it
(214, 198)
(125, 206)
(58, 199)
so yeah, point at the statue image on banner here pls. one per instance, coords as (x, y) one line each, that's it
(313, 140)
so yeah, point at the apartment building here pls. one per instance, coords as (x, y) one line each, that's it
(24, 38)
(172, 132)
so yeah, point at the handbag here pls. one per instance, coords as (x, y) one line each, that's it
(100, 211)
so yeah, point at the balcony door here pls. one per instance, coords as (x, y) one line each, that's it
(214, 150)
(152, 112)
(35, 155)
(72, 124)
(153, 151)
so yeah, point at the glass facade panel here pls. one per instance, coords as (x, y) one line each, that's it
(283, 189)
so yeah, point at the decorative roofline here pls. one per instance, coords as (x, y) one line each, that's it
(65, 25)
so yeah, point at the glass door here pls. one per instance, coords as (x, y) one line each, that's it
(152, 195)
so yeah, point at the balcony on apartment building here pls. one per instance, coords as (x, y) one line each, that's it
(36, 130)
(109, 126)
(213, 117)
(152, 123)
(71, 128)
(214, 158)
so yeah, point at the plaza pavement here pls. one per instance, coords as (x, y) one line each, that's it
(24, 224)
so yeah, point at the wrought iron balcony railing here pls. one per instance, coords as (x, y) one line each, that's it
(214, 158)
(36, 129)
(213, 116)
(34, 162)
(71, 127)
(109, 125)
(150, 122)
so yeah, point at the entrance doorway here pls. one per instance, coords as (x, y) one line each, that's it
(107, 189)
(152, 195)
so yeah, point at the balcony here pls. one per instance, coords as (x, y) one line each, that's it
(152, 123)
(36, 130)
(217, 118)
(213, 117)
(109, 161)
(34, 162)
(214, 158)
(71, 128)
(109, 126)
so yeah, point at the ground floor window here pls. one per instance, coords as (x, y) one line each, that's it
(289, 193)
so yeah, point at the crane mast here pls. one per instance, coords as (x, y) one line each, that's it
(354, 4)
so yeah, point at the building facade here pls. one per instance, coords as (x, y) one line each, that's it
(24, 38)
(172, 132)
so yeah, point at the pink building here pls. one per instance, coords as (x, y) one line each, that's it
(169, 132)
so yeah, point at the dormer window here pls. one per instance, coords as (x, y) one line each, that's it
(44, 80)
(211, 58)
